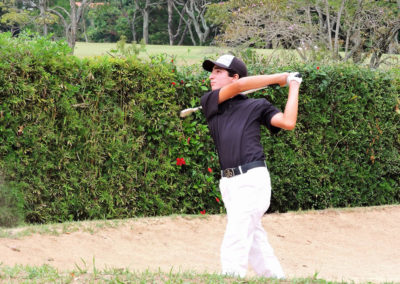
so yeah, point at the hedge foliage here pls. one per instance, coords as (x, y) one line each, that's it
(102, 138)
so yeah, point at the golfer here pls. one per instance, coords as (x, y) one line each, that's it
(234, 122)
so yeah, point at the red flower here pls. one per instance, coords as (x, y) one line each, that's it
(181, 81)
(180, 161)
(317, 67)
(210, 170)
(203, 212)
(172, 61)
(173, 70)
(216, 198)
(173, 83)
(188, 140)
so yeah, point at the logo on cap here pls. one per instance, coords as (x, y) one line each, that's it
(226, 60)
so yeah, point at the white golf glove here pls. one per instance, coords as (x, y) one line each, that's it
(295, 76)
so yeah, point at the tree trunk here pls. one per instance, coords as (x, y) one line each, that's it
(336, 44)
(146, 22)
(353, 33)
(183, 35)
(170, 26)
(173, 36)
(133, 23)
(328, 24)
(196, 10)
(145, 11)
(320, 19)
(75, 16)
(84, 27)
(42, 8)
(133, 26)
(72, 26)
(191, 33)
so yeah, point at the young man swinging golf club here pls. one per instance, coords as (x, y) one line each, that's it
(234, 122)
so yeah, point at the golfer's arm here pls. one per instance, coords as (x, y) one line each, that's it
(287, 119)
(252, 82)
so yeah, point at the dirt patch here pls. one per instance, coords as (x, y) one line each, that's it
(359, 245)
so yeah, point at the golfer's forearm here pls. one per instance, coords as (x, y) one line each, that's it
(291, 108)
(287, 119)
(254, 82)
(251, 82)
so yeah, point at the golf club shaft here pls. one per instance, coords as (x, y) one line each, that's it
(188, 111)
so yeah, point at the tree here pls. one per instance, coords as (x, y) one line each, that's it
(108, 24)
(45, 18)
(263, 24)
(171, 6)
(193, 14)
(382, 35)
(345, 29)
(196, 11)
(365, 27)
(11, 17)
(70, 19)
(144, 7)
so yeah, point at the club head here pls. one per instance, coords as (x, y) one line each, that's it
(188, 111)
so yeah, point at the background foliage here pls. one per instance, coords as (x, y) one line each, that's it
(350, 30)
(102, 137)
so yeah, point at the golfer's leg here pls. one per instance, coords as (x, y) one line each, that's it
(235, 246)
(262, 257)
(238, 235)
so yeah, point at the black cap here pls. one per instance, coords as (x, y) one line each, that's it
(228, 62)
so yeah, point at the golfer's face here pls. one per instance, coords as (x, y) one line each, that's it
(219, 78)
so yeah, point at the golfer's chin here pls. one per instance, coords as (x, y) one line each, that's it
(215, 87)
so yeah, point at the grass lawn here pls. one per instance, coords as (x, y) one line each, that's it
(189, 55)
(48, 274)
(185, 55)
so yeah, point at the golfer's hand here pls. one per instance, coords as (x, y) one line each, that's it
(295, 76)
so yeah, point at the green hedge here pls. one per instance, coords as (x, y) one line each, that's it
(100, 138)
(345, 150)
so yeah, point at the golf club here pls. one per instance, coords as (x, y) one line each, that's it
(189, 111)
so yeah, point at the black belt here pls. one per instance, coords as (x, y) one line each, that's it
(231, 172)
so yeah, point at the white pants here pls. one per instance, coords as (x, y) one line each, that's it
(247, 198)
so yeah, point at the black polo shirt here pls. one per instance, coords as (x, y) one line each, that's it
(235, 127)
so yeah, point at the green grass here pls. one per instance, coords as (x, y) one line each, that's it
(185, 55)
(48, 274)
(189, 55)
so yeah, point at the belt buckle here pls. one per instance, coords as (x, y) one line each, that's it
(229, 173)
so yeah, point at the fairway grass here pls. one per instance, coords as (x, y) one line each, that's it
(82, 274)
(190, 55)
(184, 55)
